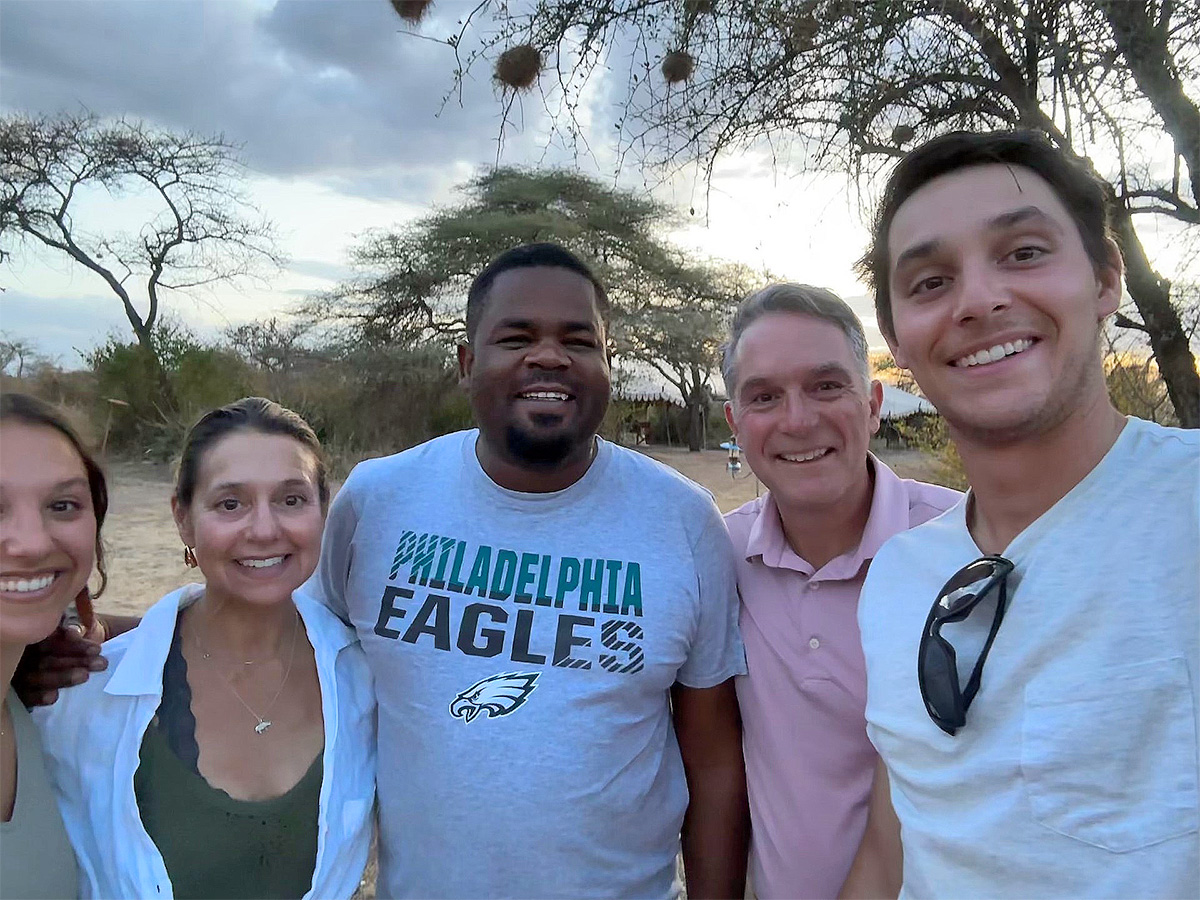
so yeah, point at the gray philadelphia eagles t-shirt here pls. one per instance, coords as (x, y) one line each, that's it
(523, 647)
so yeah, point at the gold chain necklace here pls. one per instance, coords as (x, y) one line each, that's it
(263, 722)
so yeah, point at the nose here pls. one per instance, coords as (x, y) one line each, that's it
(799, 412)
(23, 533)
(981, 292)
(263, 524)
(547, 353)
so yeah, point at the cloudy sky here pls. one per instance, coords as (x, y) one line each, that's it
(344, 128)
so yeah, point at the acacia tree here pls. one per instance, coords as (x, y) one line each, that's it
(668, 308)
(199, 229)
(851, 83)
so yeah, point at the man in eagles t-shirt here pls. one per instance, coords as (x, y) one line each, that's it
(551, 623)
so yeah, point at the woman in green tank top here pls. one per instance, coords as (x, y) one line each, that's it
(236, 722)
(53, 500)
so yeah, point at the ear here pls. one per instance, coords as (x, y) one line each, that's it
(875, 399)
(729, 417)
(466, 359)
(183, 522)
(1110, 280)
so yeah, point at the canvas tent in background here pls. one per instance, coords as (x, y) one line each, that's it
(899, 404)
(641, 390)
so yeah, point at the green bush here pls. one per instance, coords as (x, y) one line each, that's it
(129, 398)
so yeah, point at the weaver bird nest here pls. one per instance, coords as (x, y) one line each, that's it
(802, 34)
(518, 67)
(677, 66)
(902, 134)
(411, 10)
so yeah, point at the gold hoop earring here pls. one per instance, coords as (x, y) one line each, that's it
(189, 557)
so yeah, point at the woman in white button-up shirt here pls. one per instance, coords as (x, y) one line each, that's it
(229, 748)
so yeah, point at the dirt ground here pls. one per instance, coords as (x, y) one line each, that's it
(145, 557)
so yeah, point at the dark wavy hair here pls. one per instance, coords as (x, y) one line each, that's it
(1084, 195)
(248, 414)
(28, 410)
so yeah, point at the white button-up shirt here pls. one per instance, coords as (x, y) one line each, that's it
(93, 735)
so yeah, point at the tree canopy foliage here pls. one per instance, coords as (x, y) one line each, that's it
(849, 84)
(669, 308)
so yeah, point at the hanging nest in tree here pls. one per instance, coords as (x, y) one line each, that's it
(411, 10)
(802, 34)
(697, 7)
(902, 134)
(677, 66)
(518, 67)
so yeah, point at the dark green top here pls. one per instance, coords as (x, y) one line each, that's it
(217, 847)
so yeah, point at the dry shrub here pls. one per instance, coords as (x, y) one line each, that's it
(411, 10)
(678, 66)
(518, 67)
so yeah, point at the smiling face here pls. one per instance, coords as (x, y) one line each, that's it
(996, 304)
(47, 530)
(801, 411)
(536, 369)
(255, 518)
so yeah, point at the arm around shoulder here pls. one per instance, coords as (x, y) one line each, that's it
(878, 867)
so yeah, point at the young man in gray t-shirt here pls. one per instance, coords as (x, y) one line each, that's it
(551, 625)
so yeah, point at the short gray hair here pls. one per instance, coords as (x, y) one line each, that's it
(803, 299)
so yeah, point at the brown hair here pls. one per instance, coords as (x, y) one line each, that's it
(248, 414)
(1084, 195)
(17, 407)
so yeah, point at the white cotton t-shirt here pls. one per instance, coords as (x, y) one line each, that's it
(523, 647)
(1076, 772)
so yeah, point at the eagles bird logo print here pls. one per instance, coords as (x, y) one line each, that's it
(496, 696)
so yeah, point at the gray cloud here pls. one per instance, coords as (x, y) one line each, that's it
(327, 90)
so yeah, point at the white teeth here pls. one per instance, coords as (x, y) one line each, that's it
(260, 563)
(545, 395)
(25, 585)
(992, 354)
(805, 457)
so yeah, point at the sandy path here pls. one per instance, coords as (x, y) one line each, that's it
(145, 554)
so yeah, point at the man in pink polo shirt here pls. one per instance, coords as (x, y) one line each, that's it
(803, 408)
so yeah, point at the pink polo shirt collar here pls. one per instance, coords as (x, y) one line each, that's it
(888, 516)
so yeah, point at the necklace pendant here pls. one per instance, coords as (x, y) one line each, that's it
(262, 726)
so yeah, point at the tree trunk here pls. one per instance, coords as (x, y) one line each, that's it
(696, 421)
(167, 404)
(1152, 295)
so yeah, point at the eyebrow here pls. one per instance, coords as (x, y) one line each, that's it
(1018, 217)
(823, 371)
(530, 325)
(72, 483)
(996, 223)
(239, 485)
(752, 384)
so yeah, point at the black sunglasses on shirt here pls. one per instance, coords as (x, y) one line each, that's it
(937, 666)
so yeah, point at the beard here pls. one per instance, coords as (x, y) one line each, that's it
(539, 452)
